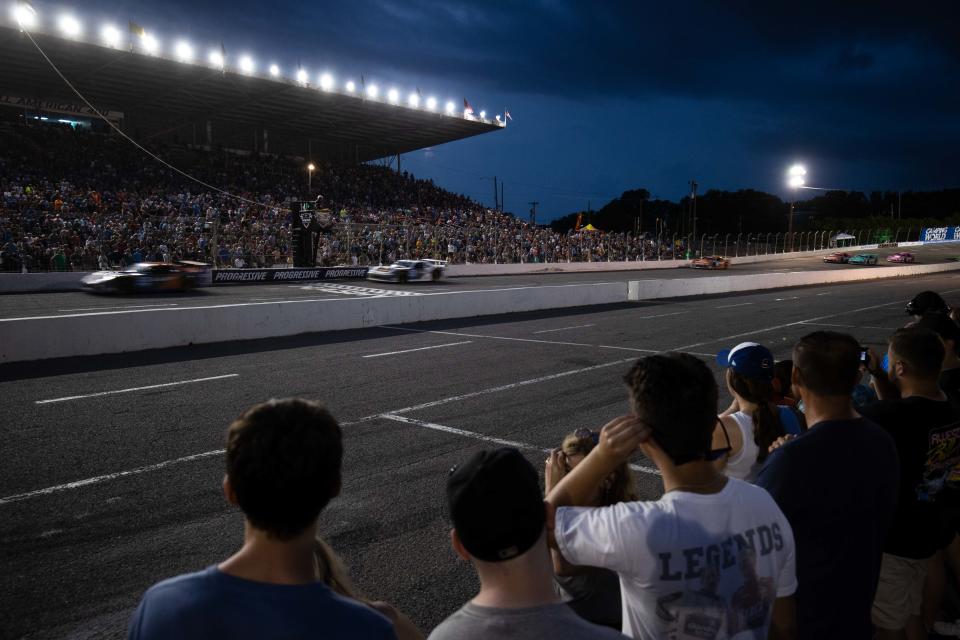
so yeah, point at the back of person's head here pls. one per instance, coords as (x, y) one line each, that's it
(827, 363)
(943, 326)
(619, 486)
(675, 394)
(750, 374)
(496, 505)
(918, 350)
(927, 302)
(283, 464)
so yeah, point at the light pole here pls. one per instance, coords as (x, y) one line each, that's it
(310, 170)
(795, 180)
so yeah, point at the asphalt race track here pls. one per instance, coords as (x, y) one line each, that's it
(112, 465)
(47, 304)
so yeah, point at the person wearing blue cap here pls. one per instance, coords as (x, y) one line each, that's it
(754, 421)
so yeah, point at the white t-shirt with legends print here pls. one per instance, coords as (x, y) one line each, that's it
(692, 566)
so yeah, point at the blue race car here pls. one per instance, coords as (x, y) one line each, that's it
(864, 258)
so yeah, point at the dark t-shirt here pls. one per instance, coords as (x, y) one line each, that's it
(950, 383)
(927, 435)
(837, 485)
(211, 604)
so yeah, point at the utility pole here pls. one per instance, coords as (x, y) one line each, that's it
(496, 195)
(501, 196)
(533, 211)
(693, 205)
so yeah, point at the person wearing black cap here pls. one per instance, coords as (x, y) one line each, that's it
(499, 519)
(714, 557)
(927, 302)
(949, 332)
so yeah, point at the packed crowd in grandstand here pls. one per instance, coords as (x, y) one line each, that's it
(79, 200)
(821, 503)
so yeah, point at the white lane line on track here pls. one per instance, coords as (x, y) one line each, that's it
(110, 476)
(166, 463)
(732, 306)
(131, 306)
(486, 438)
(132, 389)
(579, 326)
(474, 335)
(435, 346)
(785, 299)
(848, 326)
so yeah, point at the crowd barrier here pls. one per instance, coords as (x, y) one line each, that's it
(28, 339)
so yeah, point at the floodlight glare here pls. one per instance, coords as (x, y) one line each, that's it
(797, 170)
(25, 15)
(150, 44)
(310, 167)
(795, 182)
(184, 51)
(216, 59)
(483, 114)
(414, 100)
(449, 109)
(393, 96)
(111, 36)
(326, 82)
(372, 91)
(431, 103)
(70, 26)
(274, 70)
(302, 76)
(350, 86)
(247, 65)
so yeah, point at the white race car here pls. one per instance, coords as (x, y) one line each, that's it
(408, 270)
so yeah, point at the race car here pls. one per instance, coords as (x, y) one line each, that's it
(407, 270)
(901, 256)
(147, 277)
(864, 258)
(838, 258)
(710, 262)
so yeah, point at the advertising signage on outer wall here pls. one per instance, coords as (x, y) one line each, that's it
(940, 234)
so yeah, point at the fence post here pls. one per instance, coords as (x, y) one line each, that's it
(726, 243)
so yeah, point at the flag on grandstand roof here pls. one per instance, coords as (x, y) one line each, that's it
(137, 30)
(506, 114)
(419, 93)
(466, 106)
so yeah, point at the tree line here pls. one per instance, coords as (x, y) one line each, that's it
(751, 211)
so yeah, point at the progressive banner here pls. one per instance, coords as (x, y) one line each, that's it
(256, 276)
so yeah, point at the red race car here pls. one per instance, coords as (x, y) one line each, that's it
(837, 258)
(902, 256)
(710, 262)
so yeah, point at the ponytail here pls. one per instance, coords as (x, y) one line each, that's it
(767, 426)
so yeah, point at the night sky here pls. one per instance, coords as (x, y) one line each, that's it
(609, 96)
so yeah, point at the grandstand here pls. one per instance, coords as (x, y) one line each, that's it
(158, 99)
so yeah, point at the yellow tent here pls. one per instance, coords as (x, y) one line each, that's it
(589, 227)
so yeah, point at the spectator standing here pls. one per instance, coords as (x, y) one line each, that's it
(925, 426)
(712, 558)
(593, 592)
(753, 422)
(498, 516)
(283, 467)
(837, 485)
(949, 332)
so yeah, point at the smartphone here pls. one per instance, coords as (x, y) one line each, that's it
(864, 355)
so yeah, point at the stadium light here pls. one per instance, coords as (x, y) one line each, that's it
(796, 176)
(216, 59)
(483, 114)
(450, 108)
(326, 81)
(302, 76)
(150, 44)
(111, 36)
(70, 26)
(274, 70)
(350, 86)
(393, 96)
(184, 51)
(247, 65)
(431, 103)
(372, 91)
(25, 15)
(414, 100)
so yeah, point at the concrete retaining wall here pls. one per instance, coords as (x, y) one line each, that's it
(678, 287)
(38, 282)
(117, 332)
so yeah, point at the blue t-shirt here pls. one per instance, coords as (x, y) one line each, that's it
(837, 485)
(213, 604)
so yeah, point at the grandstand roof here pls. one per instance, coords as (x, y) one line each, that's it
(159, 95)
